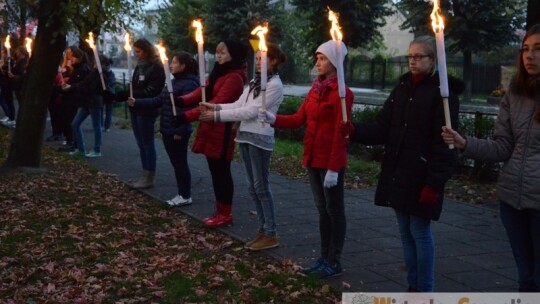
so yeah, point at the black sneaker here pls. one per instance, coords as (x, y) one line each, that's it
(328, 270)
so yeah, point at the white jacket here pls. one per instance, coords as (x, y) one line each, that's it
(246, 108)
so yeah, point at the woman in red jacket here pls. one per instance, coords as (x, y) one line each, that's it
(216, 140)
(325, 154)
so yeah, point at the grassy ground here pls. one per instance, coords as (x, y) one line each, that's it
(75, 235)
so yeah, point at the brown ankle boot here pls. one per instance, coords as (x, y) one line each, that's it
(146, 181)
(259, 235)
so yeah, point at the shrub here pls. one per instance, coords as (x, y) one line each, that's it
(480, 126)
(366, 115)
(289, 106)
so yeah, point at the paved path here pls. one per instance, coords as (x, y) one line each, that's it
(472, 252)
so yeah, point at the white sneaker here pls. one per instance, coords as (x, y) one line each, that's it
(178, 200)
(10, 123)
(4, 119)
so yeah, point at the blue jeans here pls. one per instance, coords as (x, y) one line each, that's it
(177, 151)
(523, 229)
(332, 223)
(107, 121)
(418, 250)
(256, 162)
(81, 115)
(143, 129)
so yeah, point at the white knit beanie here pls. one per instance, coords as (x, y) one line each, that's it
(328, 49)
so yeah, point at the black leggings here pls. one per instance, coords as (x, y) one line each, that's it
(221, 179)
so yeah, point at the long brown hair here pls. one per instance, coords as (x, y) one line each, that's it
(525, 84)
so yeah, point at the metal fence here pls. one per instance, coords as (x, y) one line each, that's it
(383, 73)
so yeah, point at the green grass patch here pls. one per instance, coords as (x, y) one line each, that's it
(178, 286)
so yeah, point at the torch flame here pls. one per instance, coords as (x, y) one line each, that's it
(161, 50)
(28, 44)
(437, 21)
(261, 31)
(127, 45)
(335, 30)
(198, 33)
(7, 43)
(90, 40)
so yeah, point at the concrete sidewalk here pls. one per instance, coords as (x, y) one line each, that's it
(472, 251)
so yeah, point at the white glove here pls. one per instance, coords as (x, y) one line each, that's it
(265, 116)
(330, 180)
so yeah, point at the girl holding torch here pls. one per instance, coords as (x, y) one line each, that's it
(325, 153)
(76, 70)
(216, 140)
(90, 90)
(516, 142)
(147, 81)
(417, 163)
(256, 141)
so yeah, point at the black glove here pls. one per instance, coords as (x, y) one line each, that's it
(108, 96)
(121, 96)
(179, 120)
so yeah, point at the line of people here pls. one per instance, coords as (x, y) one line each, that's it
(416, 166)
(414, 171)
(231, 113)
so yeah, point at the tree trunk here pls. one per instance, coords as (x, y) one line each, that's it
(467, 75)
(36, 90)
(533, 13)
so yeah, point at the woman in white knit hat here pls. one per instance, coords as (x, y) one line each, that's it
(325, 154)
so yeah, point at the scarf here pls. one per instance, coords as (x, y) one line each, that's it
(320, 84)
(255, 83)
(416, 78)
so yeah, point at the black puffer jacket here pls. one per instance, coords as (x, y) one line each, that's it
(409, 126)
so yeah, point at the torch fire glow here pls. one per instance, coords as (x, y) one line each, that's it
(127, 47)
(7, 44)
(29, 46)
(437, 23)
(337, 36)
(168, 81)
(199, 39)
(261, 31)
(92, 45)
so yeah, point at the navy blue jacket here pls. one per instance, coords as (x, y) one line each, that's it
(182, 84)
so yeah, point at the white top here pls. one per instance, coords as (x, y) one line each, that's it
(246, 109)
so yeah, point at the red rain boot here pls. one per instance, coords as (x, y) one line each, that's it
(214, 216)
(224, 218)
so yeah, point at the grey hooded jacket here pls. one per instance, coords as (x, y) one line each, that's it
(516, 142)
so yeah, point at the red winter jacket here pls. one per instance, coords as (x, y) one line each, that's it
(216, 139)
(324, 146)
